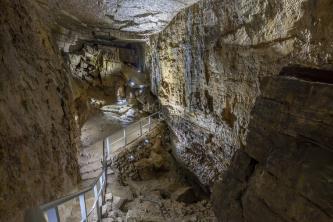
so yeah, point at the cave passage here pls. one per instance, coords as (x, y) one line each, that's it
(166, 111)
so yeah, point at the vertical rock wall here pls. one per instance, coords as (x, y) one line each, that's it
(285, 171)
(37, 128)
(208, 63)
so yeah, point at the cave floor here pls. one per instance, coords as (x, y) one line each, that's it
(92, 134)
(146, 184)
(97, 128)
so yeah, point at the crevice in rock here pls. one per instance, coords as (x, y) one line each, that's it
(308, 74)
(271, 210)
(249, 172)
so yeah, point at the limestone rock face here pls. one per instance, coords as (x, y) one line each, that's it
(95, 65)
(207, 67)
(37, 127)
(141, 17)
(144, 16)
(284, 172)
(97, 78)
(101, 76)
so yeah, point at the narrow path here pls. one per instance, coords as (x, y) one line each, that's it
(93, 134)
(95, 130)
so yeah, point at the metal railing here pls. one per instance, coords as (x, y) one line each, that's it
(131, 132)
(98, 187)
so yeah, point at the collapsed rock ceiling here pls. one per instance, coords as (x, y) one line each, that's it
(142, 17)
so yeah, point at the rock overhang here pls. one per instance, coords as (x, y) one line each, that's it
(129, 19)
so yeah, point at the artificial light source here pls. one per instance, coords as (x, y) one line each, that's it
(131, 158)
(131, 83)
(121, 102)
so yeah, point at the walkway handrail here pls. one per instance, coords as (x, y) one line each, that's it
(125, 132)
(64, 199)
(51, 208)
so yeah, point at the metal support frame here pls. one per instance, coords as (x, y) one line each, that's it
(125, 137)
(107, 145)
(105, 183)
(83, 207)
(98, 187)
(149, 122)
(98, 210)
(101, 183)
(53, 214)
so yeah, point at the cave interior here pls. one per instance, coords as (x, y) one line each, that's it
(166, 110)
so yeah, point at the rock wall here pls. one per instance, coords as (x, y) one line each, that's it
(101, 74)
(96, 75)
(207, 65)
(95, 64)
(285, 171)
(37, 127)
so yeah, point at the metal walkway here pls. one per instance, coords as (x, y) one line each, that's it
(97, 189)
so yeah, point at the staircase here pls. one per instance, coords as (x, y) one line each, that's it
(87, 203)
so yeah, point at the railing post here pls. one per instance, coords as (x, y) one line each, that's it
(53, 215)
(101, 182)
(149, 121)
(140, 127)
(104, 175)
(97, 203)
(125, 138)
(103, 152)
(83, 207)
(108, 146)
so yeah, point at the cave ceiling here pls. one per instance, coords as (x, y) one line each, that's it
(115, 17)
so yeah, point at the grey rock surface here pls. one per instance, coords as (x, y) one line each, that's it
(136, 16)
(208, 63)
(284, 172)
